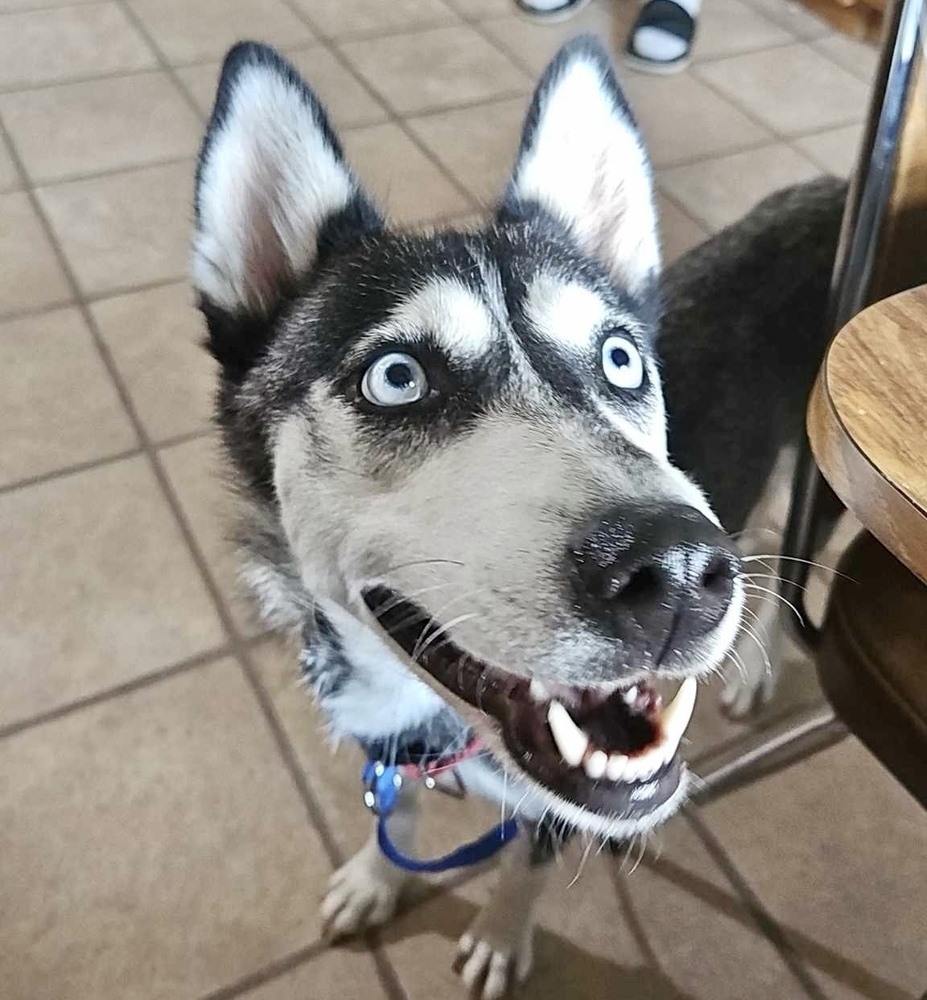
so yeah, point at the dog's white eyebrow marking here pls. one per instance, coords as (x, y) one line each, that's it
(444, 308)
(565, 312)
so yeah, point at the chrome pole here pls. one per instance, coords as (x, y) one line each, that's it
(852, 287)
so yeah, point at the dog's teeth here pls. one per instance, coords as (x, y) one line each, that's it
(538, 691)
(630, 696)
(617, 762)
(571, 741)
(676, 716)
(646, 764)
(596, 764)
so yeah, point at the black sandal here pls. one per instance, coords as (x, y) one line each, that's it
(559, 13)
(671, 19)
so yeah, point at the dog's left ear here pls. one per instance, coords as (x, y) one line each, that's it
(272, 188)
(582, 161)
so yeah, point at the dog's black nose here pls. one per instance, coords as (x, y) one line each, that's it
(654, 577)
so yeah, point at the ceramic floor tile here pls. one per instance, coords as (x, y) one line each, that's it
(702, 936)
(532, 45)
(345, 973)
(429, 70)
(400, 176)
(679, 232)
(834, 847)
(124, 229)
(718, 192)
(347, 101)
(477, 145)
(683, 120)
(100, 125)
(155, 847)
(726, 27)
(69, 43)
(189, 32)
(197, 474)
(344, 18)
(156, 338)
(794, 17)
(30, 276)
(860, 59)
(774, 87)
(9, 178)
(98, 588)
(835, 151)
(58, 406)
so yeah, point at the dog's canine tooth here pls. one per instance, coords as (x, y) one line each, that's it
(596, 763)
(571, 741)
(630, 696)
(617, 762)
(538, 692)
(676, 716)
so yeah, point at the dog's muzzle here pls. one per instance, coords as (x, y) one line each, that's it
(612, 750)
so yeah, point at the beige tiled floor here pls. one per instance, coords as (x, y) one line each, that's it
(169, 810)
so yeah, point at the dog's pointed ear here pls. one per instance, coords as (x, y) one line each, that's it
(582, 160)
(272, 187)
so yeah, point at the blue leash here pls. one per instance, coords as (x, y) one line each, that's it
(382, 784)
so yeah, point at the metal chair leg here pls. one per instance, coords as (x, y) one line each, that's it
(765, 753)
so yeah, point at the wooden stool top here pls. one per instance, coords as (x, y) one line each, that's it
(868, 423)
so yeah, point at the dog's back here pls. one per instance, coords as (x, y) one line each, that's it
(743, 335)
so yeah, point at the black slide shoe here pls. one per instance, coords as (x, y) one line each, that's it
(666, 17)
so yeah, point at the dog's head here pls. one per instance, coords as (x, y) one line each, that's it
(462, 434)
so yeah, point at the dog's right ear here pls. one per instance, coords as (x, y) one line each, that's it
(272, 192)
(582, 161)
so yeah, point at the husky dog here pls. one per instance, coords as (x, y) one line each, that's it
(452, 456)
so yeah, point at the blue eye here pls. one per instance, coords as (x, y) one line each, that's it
(622, 363)
(396, 379)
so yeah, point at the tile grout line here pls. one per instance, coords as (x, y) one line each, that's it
(62, 472)
(91, 299)
(112, 693)
(267, 973)
(763, 919)
(67, 470)
(163, 62)
(15, 89)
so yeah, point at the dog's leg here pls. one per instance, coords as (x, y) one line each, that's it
(365, 890)
(753, 672)
(751, 681)
(497, 949)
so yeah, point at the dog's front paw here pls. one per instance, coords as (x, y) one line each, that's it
(491, 961)
(362, 893)
(745, 697)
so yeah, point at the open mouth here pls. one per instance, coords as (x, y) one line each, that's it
(611, 750)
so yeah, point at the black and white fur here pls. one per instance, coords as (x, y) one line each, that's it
(468, 503)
